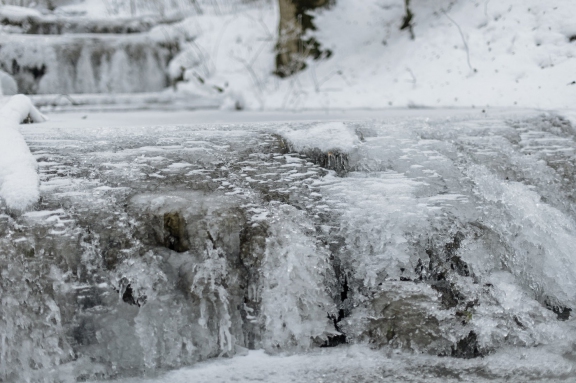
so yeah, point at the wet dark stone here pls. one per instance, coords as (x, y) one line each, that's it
(562, 313)
(459, 266)
(400, 322)
(128, 296)
(343, 312)
(467, 347)
(444, 262)
(450, 296)
(281, 145)
(175, 235)
(331, 160)
(519, 323)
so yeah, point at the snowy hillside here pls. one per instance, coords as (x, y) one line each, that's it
(466, 53)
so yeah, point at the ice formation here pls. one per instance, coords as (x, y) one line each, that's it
(441, 241)
(68, 64)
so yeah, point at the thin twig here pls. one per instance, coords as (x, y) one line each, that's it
(463, 40)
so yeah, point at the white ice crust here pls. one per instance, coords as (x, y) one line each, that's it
(325, 136)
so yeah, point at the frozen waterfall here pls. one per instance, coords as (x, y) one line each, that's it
(68, 64)
(153, 248)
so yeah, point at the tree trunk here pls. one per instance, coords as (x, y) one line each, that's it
(292, 50)
(289, 32)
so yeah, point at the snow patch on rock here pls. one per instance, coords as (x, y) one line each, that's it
(325, 136)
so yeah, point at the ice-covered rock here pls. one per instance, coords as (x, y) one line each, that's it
(31, 21)
(402, 315)
(327, 144)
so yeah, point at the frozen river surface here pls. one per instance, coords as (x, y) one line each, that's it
(417, 246)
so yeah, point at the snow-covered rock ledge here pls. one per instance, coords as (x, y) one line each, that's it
(18, 168)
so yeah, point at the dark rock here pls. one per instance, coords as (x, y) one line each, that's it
(467, 347)
(402, 317)
(444, 262)
(562, 312)
(451, 297)
(175, 234)
(343, 312)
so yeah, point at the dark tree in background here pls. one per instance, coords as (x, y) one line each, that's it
(292, 48)
(408, 20)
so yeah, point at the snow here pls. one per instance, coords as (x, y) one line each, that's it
(519, 52)
(358, 363)
(466, 54)
(18, 13)
(18, 177)
(233, 52)
(326, 136)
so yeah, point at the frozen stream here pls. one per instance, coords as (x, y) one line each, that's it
(422, 247)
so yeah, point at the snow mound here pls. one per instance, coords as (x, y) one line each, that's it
(18, 176)
(326, 136)
(8, 86)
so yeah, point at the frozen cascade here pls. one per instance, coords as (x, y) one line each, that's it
(159, 247)
(88, 63)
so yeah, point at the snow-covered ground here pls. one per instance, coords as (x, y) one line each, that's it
(355, 364)
(465, 54)
(507, 53)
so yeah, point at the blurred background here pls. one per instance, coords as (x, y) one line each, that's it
(290, 54)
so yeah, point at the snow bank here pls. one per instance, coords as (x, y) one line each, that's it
(8, 86)
(18, 176)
